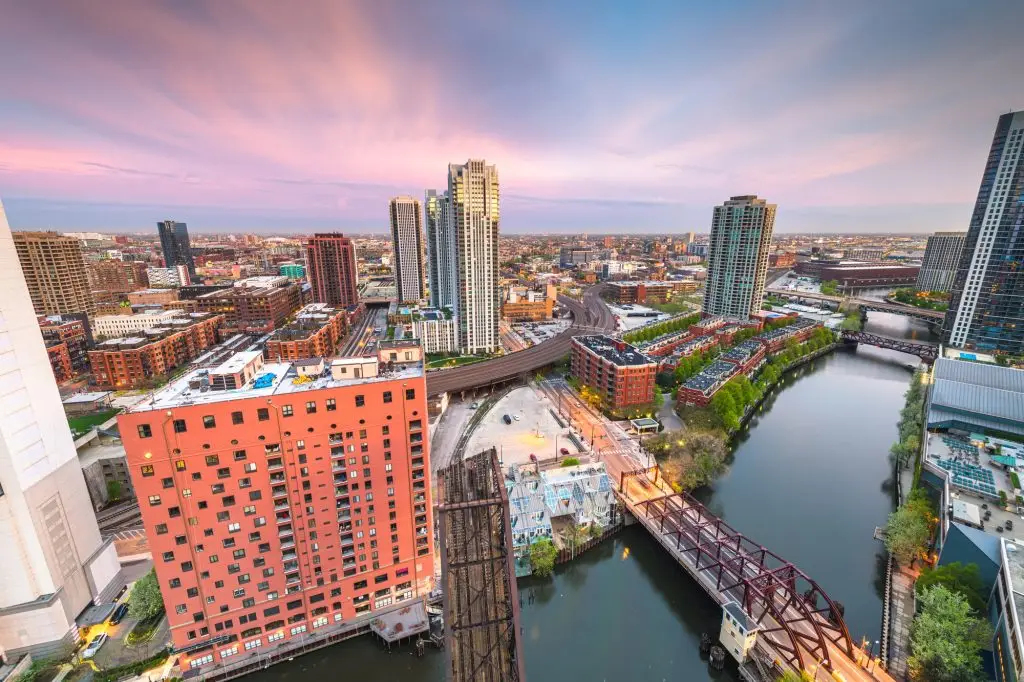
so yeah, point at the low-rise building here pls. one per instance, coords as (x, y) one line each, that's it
(618, 372)
(67, 343)
(649, 291)
(114, 326)
(698, 390)
(152, 296)
(747, 355)
(316, 331)
(168, 277)
(257, 305)
(526, 305)
(134, 362)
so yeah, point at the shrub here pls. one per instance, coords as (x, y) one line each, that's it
(570, 461)
(131, 669)
(1015, 480)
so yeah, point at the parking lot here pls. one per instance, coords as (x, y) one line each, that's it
(537, 332)
(535, 432)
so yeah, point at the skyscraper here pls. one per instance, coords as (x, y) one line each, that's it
(54, 273)
(331, 269)
(54, 560)
(986, 309)
(473, 188)
(407, 238)
(279, 510)
(741, 234)
(176, 246)
(442, 256)
(940, 260)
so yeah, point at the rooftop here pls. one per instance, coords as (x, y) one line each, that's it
(617, 352)
(973, 389)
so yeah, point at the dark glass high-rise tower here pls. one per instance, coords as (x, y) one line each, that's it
(176, 246)
(986, 311)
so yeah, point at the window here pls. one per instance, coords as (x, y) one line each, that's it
(234, 527)
(209, 421)
(217, 488)
(360, 400)
(154, 500)
(239, 455)
(387, 396)
(161, 529)
(228, 500)
(311, 407)
(249, 510)
(147, 469)
(223, 472)
(263, 414)
(168, 556)
(286, 411)
(179, 426)
(236, 418)
(410, 394)
(145, 431)
(212, 460)
(249, 467)
(331, 405)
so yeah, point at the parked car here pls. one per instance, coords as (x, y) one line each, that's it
(94, 646)
(474, 406)
(516, 417)
(119, 613)
(533, 457)
(564, 451)
(508, 419)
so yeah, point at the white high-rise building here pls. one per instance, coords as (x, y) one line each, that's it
(53, 562)
(473, 190)
(741, 237)
(407, 239)
(441, 253)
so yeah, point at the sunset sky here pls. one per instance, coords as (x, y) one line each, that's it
(627, 117)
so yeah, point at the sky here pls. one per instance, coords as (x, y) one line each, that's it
(637, 117)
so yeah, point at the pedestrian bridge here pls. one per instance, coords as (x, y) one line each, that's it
(801, 627)
(922, 349)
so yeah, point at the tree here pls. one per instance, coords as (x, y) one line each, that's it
(945, 639)
(145, 601)
(689, 460)
(570, 461)
(542, 557)
(793, 676)
(114, 490)
(595, 529)
(909, 528)
(959, 578)
(830, 287)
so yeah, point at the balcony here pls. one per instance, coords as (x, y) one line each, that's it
(350, 552)
(417, 475)
(279, 492)
(281, 506)
(277, 478)
(292, 579)
(349, 563)
(345, 526)
(416, 438)
(288, 544)
(347, 539)
(282, 532)
(420, 520)
(292, 565)
(275, 464)
(283, 518)
(339, 469)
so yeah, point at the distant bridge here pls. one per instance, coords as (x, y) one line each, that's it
(932, 316)
(922, 349)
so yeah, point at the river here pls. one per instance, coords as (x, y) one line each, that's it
(809, 479)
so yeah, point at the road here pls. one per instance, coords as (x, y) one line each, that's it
(591, 316)
(364, 333)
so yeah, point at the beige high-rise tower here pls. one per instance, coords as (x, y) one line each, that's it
(741, 234)
(407, 241)
(475, 216)
(55, 564)
(55, 273)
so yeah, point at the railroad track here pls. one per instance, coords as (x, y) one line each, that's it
(123, 518)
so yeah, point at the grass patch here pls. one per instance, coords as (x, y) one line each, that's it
(456, 361)
(672, 307)
(143, 631)
(83, 423)
(699, 417)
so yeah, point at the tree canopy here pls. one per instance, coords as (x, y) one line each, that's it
(909, 528)
(542, 557)
(145, 601)
(946, 639)
(689, 459)
(964, 579)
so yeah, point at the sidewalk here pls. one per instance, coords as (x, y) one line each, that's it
(902, 617)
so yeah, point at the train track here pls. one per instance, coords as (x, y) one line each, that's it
(124, 517)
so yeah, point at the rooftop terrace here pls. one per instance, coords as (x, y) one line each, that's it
(617, 352)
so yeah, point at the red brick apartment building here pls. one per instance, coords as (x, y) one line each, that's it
(281, 510)
(331, 269)
(315, 332)
(619, 372)
(67, 344)
(256, 305)
(128, 363)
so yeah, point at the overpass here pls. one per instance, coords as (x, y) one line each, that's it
(867, 305)
(922, 349)
(590, 316)
(801, 627)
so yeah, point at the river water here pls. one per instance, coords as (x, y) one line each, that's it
(809, 479)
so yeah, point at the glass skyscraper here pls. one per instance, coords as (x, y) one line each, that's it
(986, 311)
(176, 245)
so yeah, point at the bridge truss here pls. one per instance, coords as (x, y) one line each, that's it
(796, 616)
(481, 603)
(925, 351)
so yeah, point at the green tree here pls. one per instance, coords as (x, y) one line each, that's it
(830, 287)
(145, 601)
(909, 528)
(946, 639)
(793, 676)
(595, 529)
(542, 557)
(570, 461)
(956, 577)
(114, 490)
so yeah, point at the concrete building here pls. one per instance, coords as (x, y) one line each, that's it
(442, 254)
(741, 237)
(113, 326)
(972, 397)
(313, 514)
(529, 305)
(111, 276)
(176, 247)
(54, 272)
(55, 564)
(473, 188)
(986, 309)
(331, 269)
(571, 256)
(407, 241)
(175, 276)
(940, 260)
(316, 332)
(153, 296)
(135, 361)
(858, 275)
(618, 372)
(292, 270)
(436, 331)
(257, 305)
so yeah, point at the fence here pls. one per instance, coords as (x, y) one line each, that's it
(567, 554)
